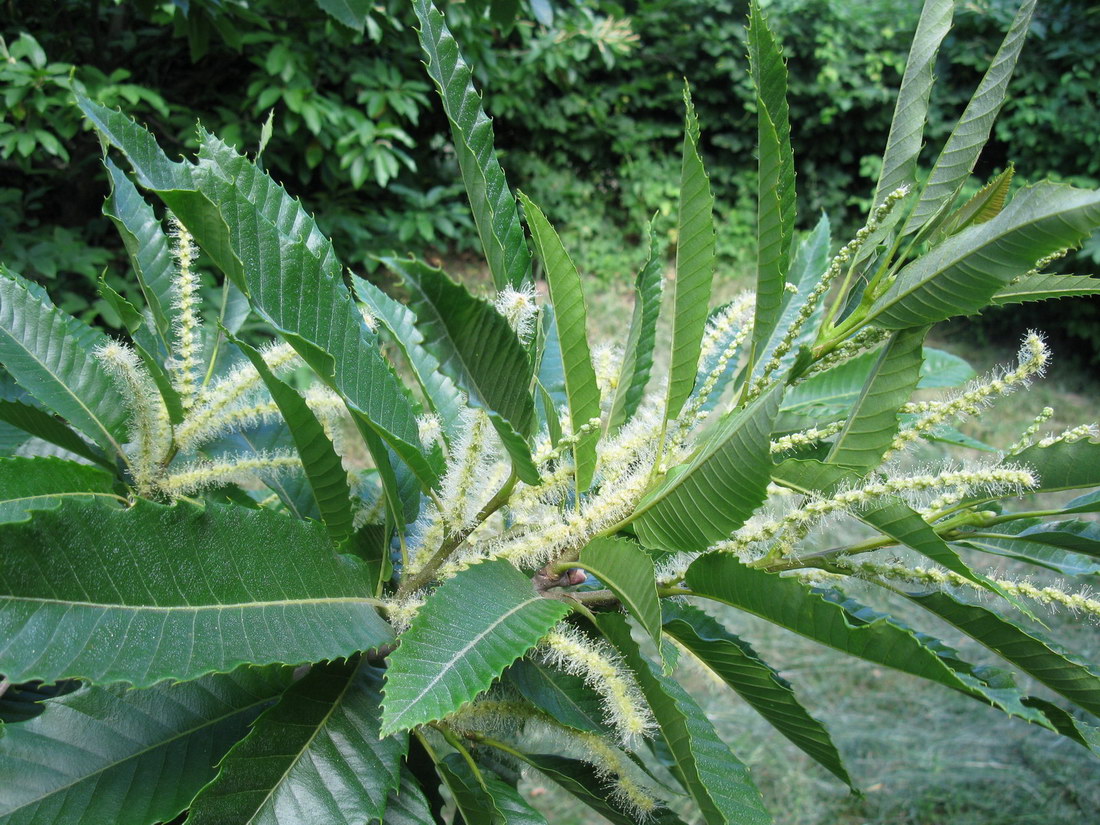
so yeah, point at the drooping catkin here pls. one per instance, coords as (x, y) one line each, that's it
(149, 427)
(602, 669)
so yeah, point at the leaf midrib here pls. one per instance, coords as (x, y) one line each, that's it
(459, 654)
(170, 608)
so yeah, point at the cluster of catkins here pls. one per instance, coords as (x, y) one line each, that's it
(466, 521)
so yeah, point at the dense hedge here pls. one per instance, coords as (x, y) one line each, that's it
(587, 104)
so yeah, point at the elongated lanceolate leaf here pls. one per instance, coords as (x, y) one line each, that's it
(1044, 286)
(154, 592)
(735, 662)
(794, 606)
(238, 214)
(960, 153)
(472, 628)
(50, 354)
(1004, 540)
(961, 275)
(710, 496)
(493, 206)
(407, 805)
(873, 421)
(638, 353)
(695, 264)
(41, 424)
(148, 248)
(313, 757)
(322, 465)
(899, 162)
(1063, 466)
(582, 781)
(852, 628)
(582, 394)
(39, 483)
(1055, 668)
(717, 780)
(98, 755)
(445, 399)
(775, 190)
(627, 571)
(477, 348)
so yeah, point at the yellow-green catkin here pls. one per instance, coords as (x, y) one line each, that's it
(602, 670)
(185, 365)
(234, 401)
(785, 532)
(245, 469)
(935, 577)
(499, 718)
(149, 427)
(1033, 359)
(844, 257)
(1028, 436)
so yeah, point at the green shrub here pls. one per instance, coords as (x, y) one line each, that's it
(357, 573)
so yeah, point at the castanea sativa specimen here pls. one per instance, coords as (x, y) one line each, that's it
(319, 578)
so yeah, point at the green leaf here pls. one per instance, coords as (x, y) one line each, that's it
(567, 297)
(477, 348)
(960, 153)
(1075, 534)
(154, 592)
(1064, 465)
(775, 190)
(148, 248)
(472, 628)
(314, 757)
(563, 696)
(237, 213)
(873, 422)
(903, 146)
(983, 206)
(695, 262)
(352, 13)
(99, 755)
(473, 803)
(485, 799)
(715, 778)
(708, 497)
(627, 571)
(50, 354)
(445, 399)
(1055, 668)
(407, 804)
(961, 275)
(583, 782)
(327, 477)
(41, 424)
(1004, 541)
(790, 604)
(493, 206)
(638, 354)
(735, 662)
(1045, 286)
(40, 483)
(127, 313)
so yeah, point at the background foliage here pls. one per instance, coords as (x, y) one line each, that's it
(584, 93)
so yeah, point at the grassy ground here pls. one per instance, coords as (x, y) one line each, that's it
(920, 754)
